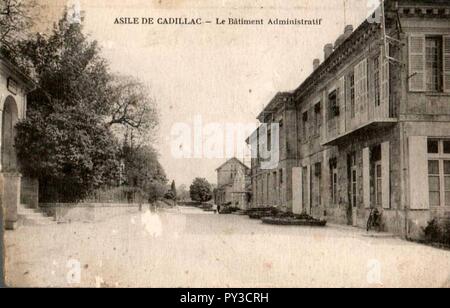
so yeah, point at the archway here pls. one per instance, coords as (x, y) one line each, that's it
(9, 120)
(10, 178)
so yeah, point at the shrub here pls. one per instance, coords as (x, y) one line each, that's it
(438, 232)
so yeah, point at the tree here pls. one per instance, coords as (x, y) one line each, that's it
(200, 190)
(69, 70)
(173, 189)
(142, 167)
(69, 152)
(64, 141)
(16, 18)
(183, 193)
(155, 191)
(69, 131)
(132, 109)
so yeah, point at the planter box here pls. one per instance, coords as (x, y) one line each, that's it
(294, 222)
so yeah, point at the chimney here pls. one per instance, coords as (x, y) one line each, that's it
(328, 50)
(316, 64)
(348, 31)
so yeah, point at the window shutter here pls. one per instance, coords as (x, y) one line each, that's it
(366, 177)
(365, 90)
(384, 82)
(361, 89)
(446, 62)
(357, 89)
(417, 63)
(342, 112)
(297, 193)
(418, 173)
(385, 175)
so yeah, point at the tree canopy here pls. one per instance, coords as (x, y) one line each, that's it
(68, 140)
(16, 18)
(201, 190)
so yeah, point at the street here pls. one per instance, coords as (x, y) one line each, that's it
(185, 247)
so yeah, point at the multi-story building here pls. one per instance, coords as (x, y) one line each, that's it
(372, 124)
(233, 184)
(271, 174)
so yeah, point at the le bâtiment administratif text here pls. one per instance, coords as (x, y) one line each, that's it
(275, 21)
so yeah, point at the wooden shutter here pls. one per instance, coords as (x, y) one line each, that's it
(341, 99)
(361, 90)
(384, 83)
(418, 173)
(365, 90)
(366, 177)
(357, 85)
(446, 61)
(385, 176)
(417, 63)
(297, 194)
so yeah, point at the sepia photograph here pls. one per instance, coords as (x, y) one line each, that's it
(234, 146)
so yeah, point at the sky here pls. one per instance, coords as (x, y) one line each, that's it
(213, 74)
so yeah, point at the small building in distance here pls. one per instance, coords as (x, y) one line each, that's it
(233, 184)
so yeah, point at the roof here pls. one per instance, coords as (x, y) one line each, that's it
(273, 105)
(27, 81)
(230, 160)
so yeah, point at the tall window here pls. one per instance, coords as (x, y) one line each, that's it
(318, 180)
(351, 83)
(334, 180)
(269, 139)
(305, 124)
(439, 172)
(434, 66)
(376, 80)
(333, 104)
(317, 119)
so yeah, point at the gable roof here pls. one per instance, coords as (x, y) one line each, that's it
(229, 161)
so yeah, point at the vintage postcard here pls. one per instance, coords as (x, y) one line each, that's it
(225, 144)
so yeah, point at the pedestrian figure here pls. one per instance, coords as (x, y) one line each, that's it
(152, 207)
(218, 209)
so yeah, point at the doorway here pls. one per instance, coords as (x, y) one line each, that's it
(353, 190)
(8, 149)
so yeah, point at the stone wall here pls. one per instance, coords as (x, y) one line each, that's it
(87, 212)
(9, 195)
(29, 193)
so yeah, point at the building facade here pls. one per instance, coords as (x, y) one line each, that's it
(372, 124)
(271, 173)
(233, 184)
(14, 87)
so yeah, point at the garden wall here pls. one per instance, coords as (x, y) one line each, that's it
(88, 212)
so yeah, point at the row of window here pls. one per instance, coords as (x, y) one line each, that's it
(346, 91)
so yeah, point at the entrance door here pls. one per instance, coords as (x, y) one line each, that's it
(378, 185)
(353, 190)
(353, 194)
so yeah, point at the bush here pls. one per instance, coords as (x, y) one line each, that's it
(437, 232)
